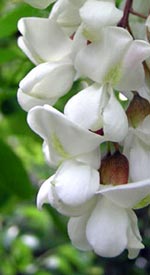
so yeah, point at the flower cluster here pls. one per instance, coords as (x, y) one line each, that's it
(100, 145)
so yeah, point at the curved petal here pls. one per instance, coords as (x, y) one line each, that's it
(85, 108)
(133, 75)
(42, 81)
(106, 229)
(65, 139)
(139, 160)
(43, 40)
(134, 237)
(97, 14)
(72, 211)
(91, 61)
(67, 15)
(27, 101)
(92, 159)
(45, 193)
(127, 195)
(75, 183)
(79, 42)
(115, 122)
(76, 231)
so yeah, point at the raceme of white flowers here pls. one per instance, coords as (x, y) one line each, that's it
(100, 145)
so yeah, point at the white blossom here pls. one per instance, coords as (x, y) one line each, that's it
(71, 189)
(43, 40)
(111, 226)
(41, 85)
(122, 68)
(96, 107)
(81, 40)
(65, 139)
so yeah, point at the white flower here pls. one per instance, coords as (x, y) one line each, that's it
(111, 226)
(98, 14)
(102, 218)
(119, 65)
(71, 189)
(66, 14)
(43, 40)
(65, 139)
(56, 51)
(96, 107)
(41, 85)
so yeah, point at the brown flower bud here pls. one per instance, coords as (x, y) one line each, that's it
(114, 169)
(138, 109)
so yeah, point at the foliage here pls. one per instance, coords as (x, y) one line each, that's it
(34, 242)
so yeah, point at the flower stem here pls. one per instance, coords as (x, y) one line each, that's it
(137, 14)
(124, 20)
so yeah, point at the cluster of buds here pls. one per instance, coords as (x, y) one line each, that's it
(99, 146)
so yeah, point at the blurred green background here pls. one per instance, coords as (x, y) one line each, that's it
(34, 242)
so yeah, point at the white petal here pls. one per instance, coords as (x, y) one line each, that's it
(27, 101)
(134, 237)
(79, 42)
(91, 61)
(75, 183)
(97, 14)
(85, 108)
(143, 131)
(133, 75)
(106, 229)
(76, 231)
(39, 4)
(67, 15)
(72, 211)
(77, 3)
(42, 81)
(139, 161)
(92, 159)
(115, 123)
(144, 92)
(43, 40)
(127, 195)
(65, 139)
(45, 193)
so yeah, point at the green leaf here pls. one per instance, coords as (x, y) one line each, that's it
(118, 2)
(13, 177)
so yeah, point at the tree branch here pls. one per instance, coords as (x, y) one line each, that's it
(124, 20)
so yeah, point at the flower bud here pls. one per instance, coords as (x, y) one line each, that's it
(114, 169)
(138, 109)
